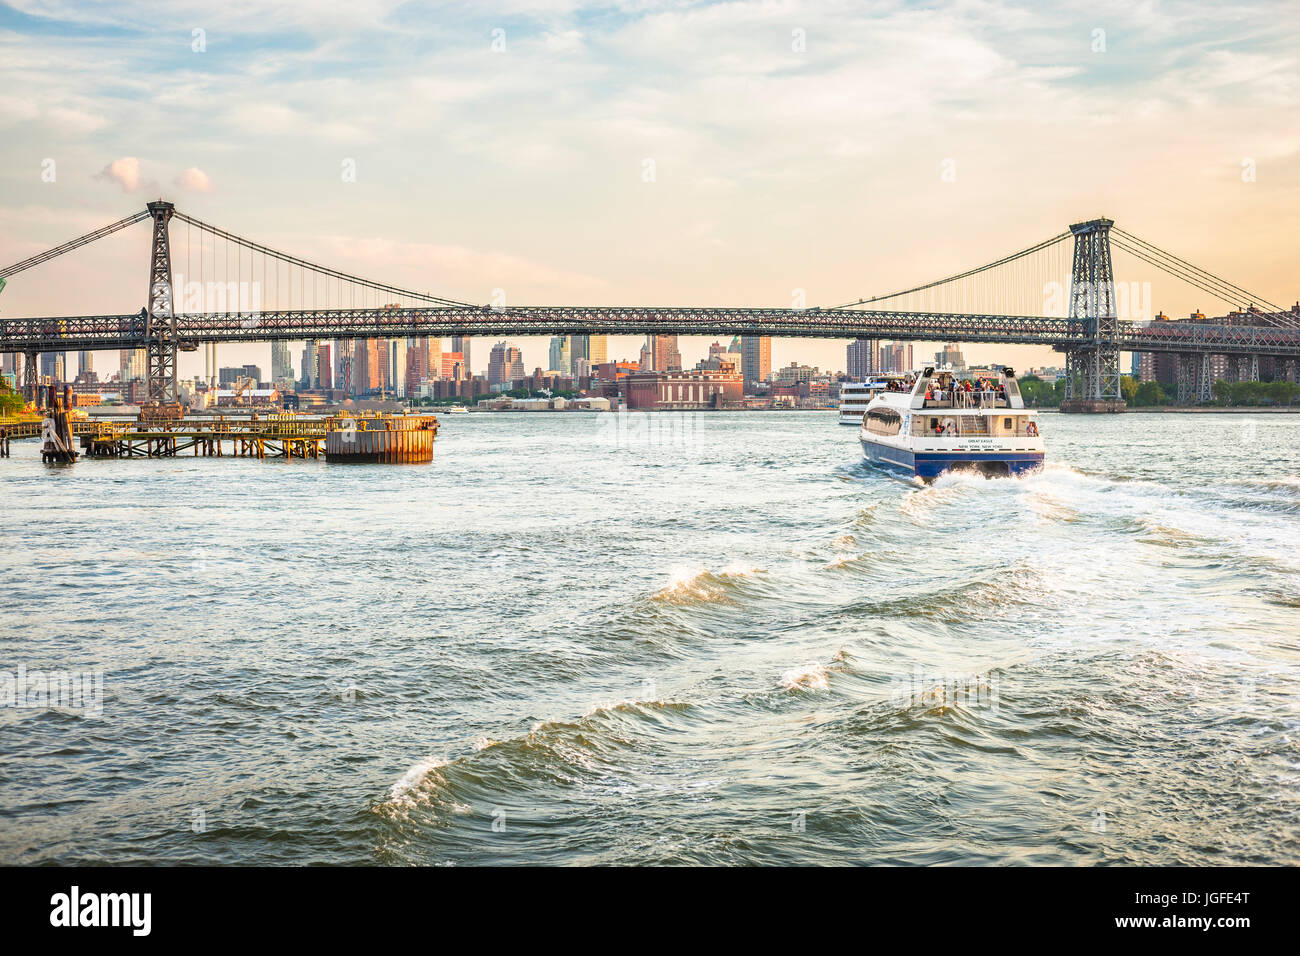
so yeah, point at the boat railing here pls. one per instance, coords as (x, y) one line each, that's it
(960, 398)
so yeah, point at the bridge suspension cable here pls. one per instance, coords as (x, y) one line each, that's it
(295, 261)
(1206, 281)
(88, 238)
(1021, 280)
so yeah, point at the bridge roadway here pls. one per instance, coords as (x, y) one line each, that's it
(73, 333)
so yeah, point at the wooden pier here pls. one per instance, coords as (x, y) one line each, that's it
(285, 437)
(278, 436)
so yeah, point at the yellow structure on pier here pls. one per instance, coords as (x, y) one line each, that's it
(382, 438)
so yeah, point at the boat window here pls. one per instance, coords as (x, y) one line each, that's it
(1006, 423)
(884, 421)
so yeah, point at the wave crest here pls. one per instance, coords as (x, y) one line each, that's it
(705, 587)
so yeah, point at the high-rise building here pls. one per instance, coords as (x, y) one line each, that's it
(324, 368)
(453, 367)
(397, 367)
(230, 375)
(54, 366)
(360, 366)
(895, 358)
(343, 364)
(383, 365)
(310, 365)
(433, 358)
(460, 343)
(281, 363)
(860, 361)
(593, 348)
(561, 356)
(368, 361)
(951, 355)
(756, 359)
(85, 364)
(133, 365)
(419, 367)
(660, 354)
(875, 357)
(505, 364)
(667, 353)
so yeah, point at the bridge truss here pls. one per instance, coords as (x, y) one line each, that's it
(977, 305)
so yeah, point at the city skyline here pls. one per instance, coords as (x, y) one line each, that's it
(661, 203)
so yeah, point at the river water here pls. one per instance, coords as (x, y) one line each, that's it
(712, 638)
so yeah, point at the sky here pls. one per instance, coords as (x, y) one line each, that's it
(646, 152)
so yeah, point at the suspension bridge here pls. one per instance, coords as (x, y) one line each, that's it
(270, 295)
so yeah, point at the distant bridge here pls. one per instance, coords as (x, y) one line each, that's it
(1091, 335)
(131, 331)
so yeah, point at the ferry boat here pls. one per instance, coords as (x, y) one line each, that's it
(854, 398)
(935, 423)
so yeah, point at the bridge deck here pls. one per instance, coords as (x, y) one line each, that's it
(90, 332)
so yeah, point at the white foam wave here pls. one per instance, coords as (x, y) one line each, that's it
(404, 790)
(701, 584)
(809, 677)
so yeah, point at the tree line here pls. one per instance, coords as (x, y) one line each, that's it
(11, 403)
(1040, 394)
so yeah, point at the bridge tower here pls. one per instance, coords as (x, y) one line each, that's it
(1092, 365)
(160, 317)
(31, 377)
(1195, 378)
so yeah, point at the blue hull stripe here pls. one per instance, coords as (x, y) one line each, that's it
(933, 464)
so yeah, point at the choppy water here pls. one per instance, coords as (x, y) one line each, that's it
(720, 640)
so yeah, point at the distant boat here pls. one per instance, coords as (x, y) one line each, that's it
(854, 398)
(933, 423)
(456, 410)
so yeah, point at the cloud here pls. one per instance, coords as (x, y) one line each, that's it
(125, 172)
(566, 41)
(778, 165)
(194, 180)
(450, 269)
(14, 109)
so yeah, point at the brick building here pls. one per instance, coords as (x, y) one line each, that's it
(697, 388)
